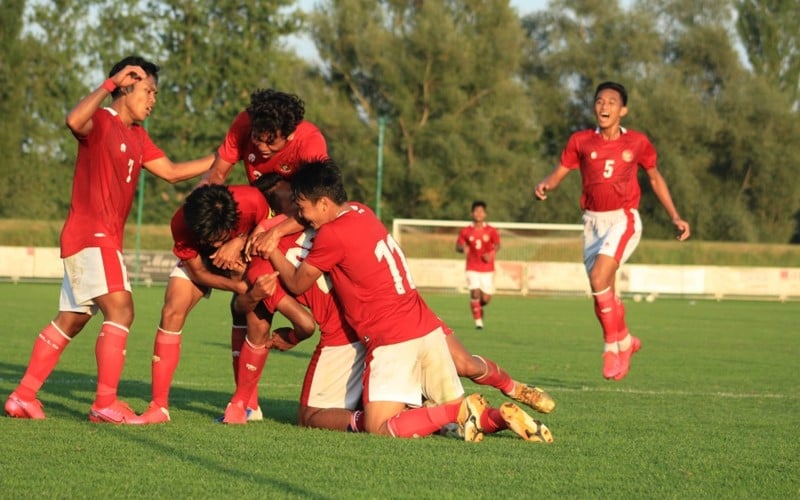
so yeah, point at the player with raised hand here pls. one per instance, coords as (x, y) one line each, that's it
(113, 147)
(609, 157)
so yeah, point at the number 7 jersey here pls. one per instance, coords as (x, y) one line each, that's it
(370, 276)
(609, 167)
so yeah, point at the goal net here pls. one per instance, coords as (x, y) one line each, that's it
(519, 241)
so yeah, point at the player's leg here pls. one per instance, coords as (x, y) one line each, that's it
(252, 359)
(486, 289)
(484, 371)
(180, 297)
(47, 350)
(332, 389)
(627, 343)
(474, 284)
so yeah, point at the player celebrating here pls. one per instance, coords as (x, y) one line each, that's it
(113, 147)
(407, 354)
(608, 158)
(480, 241)
(212, 216)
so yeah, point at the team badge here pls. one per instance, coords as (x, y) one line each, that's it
(627, 155)
(123, 147)
(251, 158)
(285, 168)
(593, 155)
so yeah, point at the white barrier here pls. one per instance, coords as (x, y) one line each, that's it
(773, 283)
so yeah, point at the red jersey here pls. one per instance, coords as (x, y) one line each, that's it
(371, 278)
(320, 299)
(107, 171)
(477, 242)
(307, 144)
(252, 209)
(609, 168)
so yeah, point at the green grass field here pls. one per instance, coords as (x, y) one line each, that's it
(710, 410)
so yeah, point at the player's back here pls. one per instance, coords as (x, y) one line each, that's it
(371, 276)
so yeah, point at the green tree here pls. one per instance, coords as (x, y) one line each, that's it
(769, 32)
(443, 75)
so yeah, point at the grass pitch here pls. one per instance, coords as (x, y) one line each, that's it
(710, 409)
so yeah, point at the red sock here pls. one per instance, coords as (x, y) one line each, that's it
(423, 421)
(109, 351)
(356, 422)
(47, 349)
(622, 328)
(166, 353)
(494, 376)
(475, 305)
(251, 364)
(605, 309)
(492, 421)
(238, 333)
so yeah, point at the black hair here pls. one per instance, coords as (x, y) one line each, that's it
(272, 111)
(478, 203)
(266, 184)
(211, 213)
(318, 178)
(150, 68)
(613, 86)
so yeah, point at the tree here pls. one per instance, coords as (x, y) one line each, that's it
(443, 75)
(768, 30)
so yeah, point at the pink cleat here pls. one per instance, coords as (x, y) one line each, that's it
(19, 408)
(625, 358)
(155, 415)
(117, 412)
(235, 413)
(610, 364)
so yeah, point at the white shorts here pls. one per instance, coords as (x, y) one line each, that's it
(615, 233)
(89, 274)
(484, 282)
(335, 377)
(179, 271)
(412, 370)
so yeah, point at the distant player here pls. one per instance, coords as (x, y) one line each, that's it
(113, 147)
(609, 157)
(480, 242)
(407, 354)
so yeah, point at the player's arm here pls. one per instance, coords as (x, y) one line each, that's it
(199, 274)
(550, 182)
(263, 287)
(295, 279)
(219, 171)
(229, 254)
(175, 172)
(661, 191)
(303, 324)
(264, 242)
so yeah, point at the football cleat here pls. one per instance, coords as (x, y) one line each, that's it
(610, 364)
(625, 357)
(479, 324)
(117, 412)
(524, 425)
(155, 415)
(469, 418)
(254, 414)
(235, 413)
(534, 397)
(19, 408)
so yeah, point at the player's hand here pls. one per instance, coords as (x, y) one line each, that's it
(264, 286)
(284, 339)
(128, 76)
(229, 255)
(540, 189)
(683, 229)
(262, 244)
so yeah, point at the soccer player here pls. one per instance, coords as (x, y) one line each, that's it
(331, 377)
(608, 157)
(113, 147)
(407, 354)
(480, 241)
(270, 135)
(212, 216)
